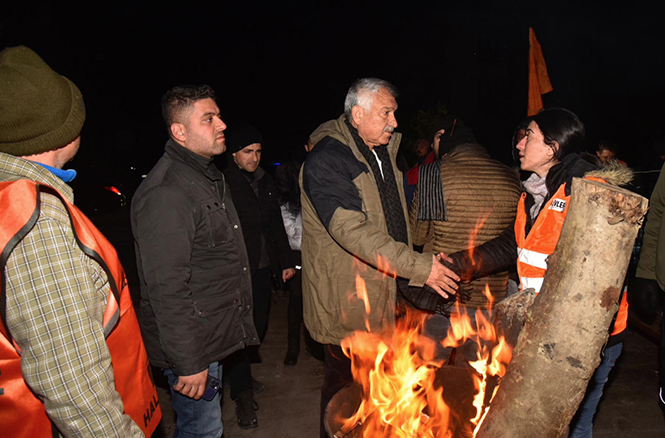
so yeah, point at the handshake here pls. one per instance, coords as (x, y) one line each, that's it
(428, 299)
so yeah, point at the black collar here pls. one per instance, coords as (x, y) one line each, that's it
(204, 165)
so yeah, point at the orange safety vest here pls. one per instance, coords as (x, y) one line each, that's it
(533, 250)
(22, 414)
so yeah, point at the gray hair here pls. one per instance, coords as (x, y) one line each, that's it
(362, 93)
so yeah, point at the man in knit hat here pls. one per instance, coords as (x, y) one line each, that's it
(255, 196)
(72, 358)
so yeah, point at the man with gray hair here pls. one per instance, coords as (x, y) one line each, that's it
(355, 225)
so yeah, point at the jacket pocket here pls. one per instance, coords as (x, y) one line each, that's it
(220, 320)
(213, 305)
(217, 221)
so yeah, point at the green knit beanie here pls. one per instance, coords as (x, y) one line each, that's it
(40, 110)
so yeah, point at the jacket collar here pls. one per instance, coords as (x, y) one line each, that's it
(13, 168)
(571, 166)
(201, 164)
(338, 130)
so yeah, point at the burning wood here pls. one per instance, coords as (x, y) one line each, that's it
(402, 392)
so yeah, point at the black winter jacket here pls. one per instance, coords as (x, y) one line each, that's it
(259, 216)
(196, 288)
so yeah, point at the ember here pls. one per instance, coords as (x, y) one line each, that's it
(401, 391)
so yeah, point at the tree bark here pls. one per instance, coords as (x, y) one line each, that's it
(560, 345)
(509, 315)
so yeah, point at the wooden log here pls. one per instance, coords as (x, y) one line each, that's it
(509, 315)
(566, 327)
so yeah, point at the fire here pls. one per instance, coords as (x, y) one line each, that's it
(474, 235)
(402, 393)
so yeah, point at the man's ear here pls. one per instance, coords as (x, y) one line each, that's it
(179, 132)
(357, 112)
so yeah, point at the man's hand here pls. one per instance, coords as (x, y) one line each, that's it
(288, 273)
(192, 386)
(441, 279)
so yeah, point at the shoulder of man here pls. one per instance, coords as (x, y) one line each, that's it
(331, 155)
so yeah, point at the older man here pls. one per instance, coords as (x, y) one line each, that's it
(355, 225)
(196, 286)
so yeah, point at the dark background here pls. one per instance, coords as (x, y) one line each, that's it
(286, 66)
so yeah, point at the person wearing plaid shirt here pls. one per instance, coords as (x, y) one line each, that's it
(54, 296)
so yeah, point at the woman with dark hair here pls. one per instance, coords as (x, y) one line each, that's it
(549, 150)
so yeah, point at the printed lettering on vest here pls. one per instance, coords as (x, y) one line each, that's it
(152, 407)
(558, 205)
(150, 410)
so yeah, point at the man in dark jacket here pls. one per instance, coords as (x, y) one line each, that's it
(196, 299)
(650, 276)
(253, 191)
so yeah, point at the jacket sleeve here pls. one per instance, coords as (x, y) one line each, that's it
(164, 229)
(278, 231)
(56, 300)
(328, 183)
(493, 256)
(293, 227)
(653, 229)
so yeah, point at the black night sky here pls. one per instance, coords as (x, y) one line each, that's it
(285, 66)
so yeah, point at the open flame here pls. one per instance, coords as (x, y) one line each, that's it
(401, 394)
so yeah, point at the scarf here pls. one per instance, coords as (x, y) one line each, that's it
(537, 188)
(431, 200)
(390, 199)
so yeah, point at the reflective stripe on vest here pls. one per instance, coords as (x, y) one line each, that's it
(22, 414)
(533, 258)
(533, 283)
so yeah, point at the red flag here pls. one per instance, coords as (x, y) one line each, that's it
(539, 80)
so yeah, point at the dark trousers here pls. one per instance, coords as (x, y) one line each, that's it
(237, 366)
(262, 298)
(337, 374)
(294, 309)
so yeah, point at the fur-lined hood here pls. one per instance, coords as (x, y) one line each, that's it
(614, 173)
(574, 166)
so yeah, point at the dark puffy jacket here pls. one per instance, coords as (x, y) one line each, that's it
(196, 288)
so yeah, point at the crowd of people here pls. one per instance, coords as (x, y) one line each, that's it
(215, 233)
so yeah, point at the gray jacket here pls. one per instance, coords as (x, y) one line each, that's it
(196, 287)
